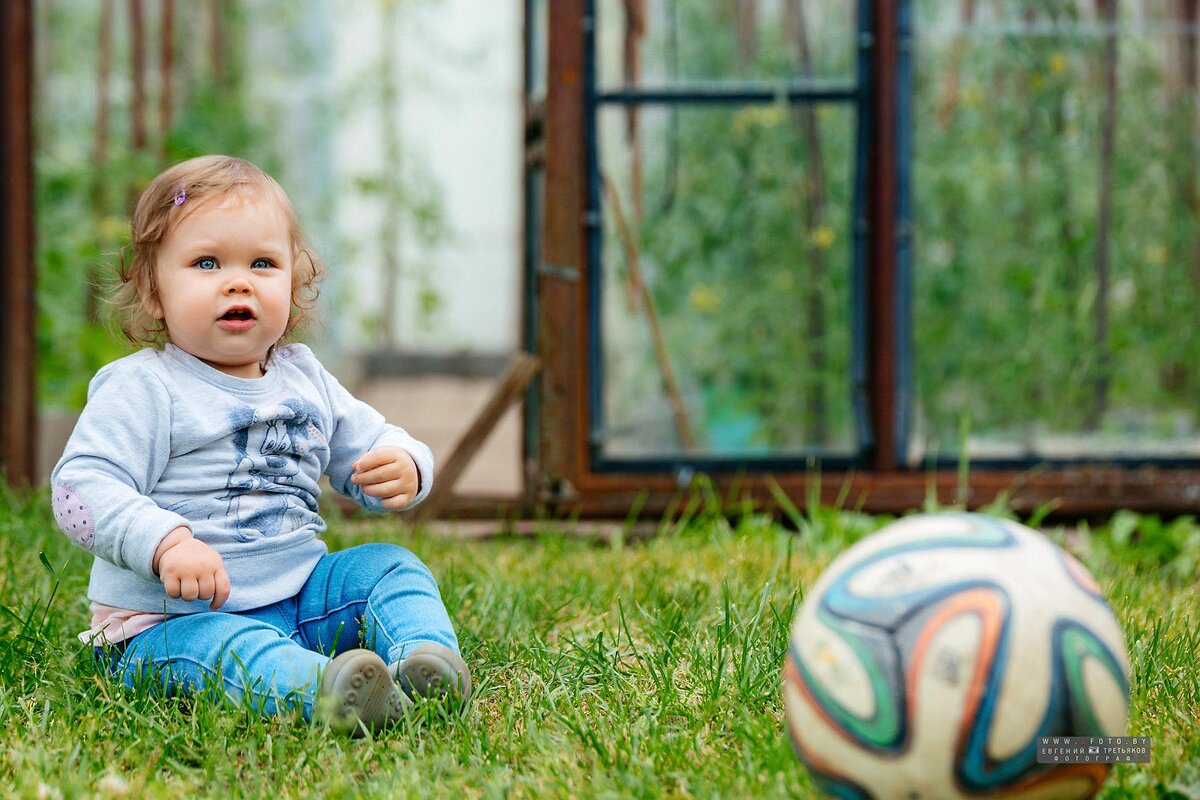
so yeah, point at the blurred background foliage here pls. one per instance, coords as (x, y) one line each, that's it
(125, 88)
(118, 99)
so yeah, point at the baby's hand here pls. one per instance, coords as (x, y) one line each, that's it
(190, 569)
(388, 473)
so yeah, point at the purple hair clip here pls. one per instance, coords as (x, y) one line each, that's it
(181, 195)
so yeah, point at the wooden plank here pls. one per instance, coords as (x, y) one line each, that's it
(1079, 491)
(511, 389)
(18, 421)
(1070, 493)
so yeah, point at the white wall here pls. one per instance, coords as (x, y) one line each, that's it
(458, 68)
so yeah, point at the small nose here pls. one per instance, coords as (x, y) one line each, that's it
(238, 285)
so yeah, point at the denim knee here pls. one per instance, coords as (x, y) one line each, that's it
(388, 558)
(386, 552)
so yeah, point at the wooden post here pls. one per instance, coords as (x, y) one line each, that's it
(18, 420)
(563, 449)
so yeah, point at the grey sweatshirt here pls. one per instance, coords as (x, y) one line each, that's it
(166, 440)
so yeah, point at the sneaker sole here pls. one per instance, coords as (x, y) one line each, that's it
(363, 692)
(433, 669)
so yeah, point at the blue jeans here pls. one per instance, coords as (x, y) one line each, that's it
(378, 596)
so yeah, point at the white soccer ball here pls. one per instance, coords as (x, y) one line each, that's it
(930, 657)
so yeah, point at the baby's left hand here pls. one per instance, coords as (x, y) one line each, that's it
(388, 473)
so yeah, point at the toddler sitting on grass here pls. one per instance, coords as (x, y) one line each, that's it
(192, 477)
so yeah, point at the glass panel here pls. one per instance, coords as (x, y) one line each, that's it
(537, 38)
(1057, 275)
(740, 234)
(690, 40)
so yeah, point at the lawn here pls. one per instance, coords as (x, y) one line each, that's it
(604, 668)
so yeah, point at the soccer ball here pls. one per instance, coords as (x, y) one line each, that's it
(929, 658)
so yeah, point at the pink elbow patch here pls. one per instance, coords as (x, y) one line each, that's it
(73, 515)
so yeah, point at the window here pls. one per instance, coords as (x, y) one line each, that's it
(698, 311)
(722, 195)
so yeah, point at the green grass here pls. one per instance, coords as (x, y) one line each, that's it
(645, 669)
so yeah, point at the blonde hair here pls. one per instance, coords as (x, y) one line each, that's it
(176, 192)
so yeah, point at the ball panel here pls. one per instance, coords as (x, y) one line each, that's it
(830, 756)
(1080, 576)
(1096, 684)
(916, 533)
(835, 665)
(982, 765)
(870, 652)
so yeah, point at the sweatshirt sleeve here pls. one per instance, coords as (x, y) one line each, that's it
(112, 462)
(357, 429)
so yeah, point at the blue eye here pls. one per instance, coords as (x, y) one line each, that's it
(262, 263)
(205, 263)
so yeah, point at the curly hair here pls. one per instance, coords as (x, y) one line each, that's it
(169, 197)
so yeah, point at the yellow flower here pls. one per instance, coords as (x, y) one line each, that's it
(1037, 82)
(1058, 63)
(758, 117)
(771, 116)
(823, 237)
(972, 97)
(1157, 254)
(704, 298)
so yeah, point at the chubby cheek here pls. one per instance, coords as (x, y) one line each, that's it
(276, 303)
(279, 313)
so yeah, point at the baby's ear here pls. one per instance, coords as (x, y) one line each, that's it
(152, 307)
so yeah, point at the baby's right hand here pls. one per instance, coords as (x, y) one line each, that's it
(190, 569)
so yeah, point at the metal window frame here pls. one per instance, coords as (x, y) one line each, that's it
(566, 474)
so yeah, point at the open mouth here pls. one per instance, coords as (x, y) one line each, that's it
(238, 315)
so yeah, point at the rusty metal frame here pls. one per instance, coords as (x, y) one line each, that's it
(565, 479)
(18, 420)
